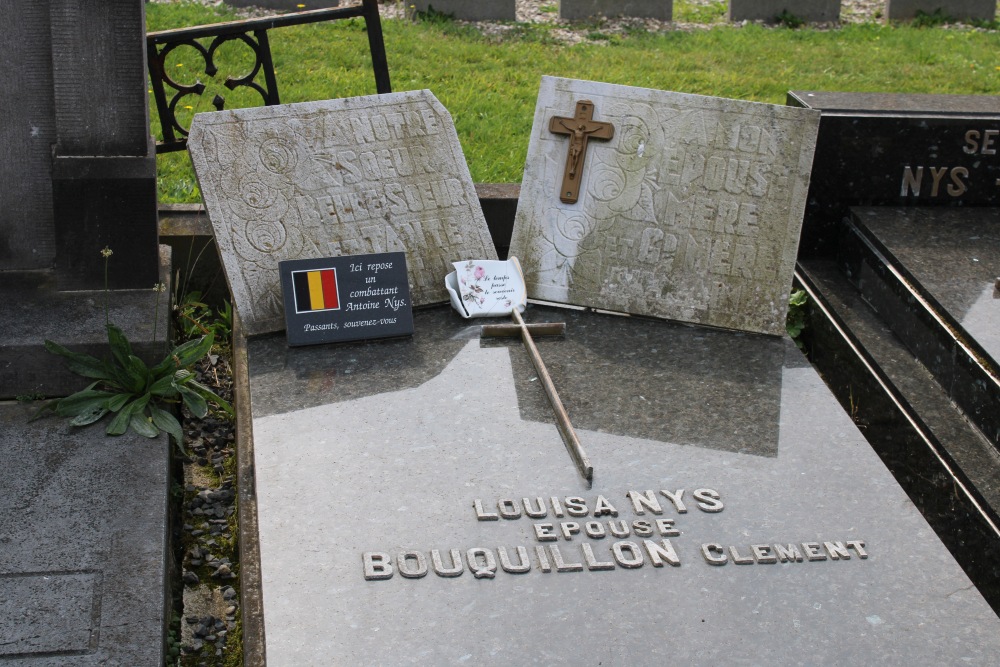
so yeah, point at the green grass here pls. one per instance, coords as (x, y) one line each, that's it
(489, 84)
(685, 11)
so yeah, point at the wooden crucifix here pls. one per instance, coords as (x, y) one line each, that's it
(581, 128)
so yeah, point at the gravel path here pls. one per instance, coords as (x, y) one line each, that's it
(544, 11)
(531, 11)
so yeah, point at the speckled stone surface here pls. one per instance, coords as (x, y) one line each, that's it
(385, 447)
(954, 254)
(898, 104)
(690, 212)
(83, 544)
(350, 176)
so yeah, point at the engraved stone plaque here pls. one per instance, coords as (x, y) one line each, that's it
(692, 211)
(339, 177)
(49, 613)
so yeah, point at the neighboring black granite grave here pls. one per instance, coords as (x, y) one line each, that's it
(933, 274)
(900, 256)
(930, 268)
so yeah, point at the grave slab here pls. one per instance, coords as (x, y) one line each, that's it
(574, 10)
(691, 211)
(769, 10)
(963, 10)
(470, 10)
(340, 177)
(83, 544)
(434, 459)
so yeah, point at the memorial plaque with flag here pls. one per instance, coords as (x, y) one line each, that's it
(345, 298)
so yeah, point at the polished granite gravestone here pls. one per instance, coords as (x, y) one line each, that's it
(953, 258)
(939, 156)
(690, 211)
(575, 10)
(885, 149)
(382, 173)
(903, 191)
(469, 10)
(417, 505)
(962, 10)
(83, 544)
(772, 10)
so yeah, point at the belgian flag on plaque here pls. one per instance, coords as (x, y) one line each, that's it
(315, 290)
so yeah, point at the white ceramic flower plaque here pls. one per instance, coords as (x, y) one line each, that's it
(487, 288)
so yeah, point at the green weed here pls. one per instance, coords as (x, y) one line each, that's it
(140, 398)
(795, 321)
(789, 20)
(195, 318)
(931, 20)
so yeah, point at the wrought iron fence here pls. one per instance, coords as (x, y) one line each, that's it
(206, 41)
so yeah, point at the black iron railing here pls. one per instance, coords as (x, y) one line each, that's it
(207, 39)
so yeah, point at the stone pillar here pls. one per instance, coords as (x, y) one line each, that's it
(103, 160)
(27, 133)
(77, 166)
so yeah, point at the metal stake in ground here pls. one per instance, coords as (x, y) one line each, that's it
(562, 418)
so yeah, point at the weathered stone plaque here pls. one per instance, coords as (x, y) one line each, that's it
(692, 211)
(339, 177)
(736, 513)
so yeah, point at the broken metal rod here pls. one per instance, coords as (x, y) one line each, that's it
(562, 418)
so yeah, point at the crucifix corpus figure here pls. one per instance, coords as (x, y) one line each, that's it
(581, 128)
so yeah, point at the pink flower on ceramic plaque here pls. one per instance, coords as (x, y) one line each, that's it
(479, 273)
